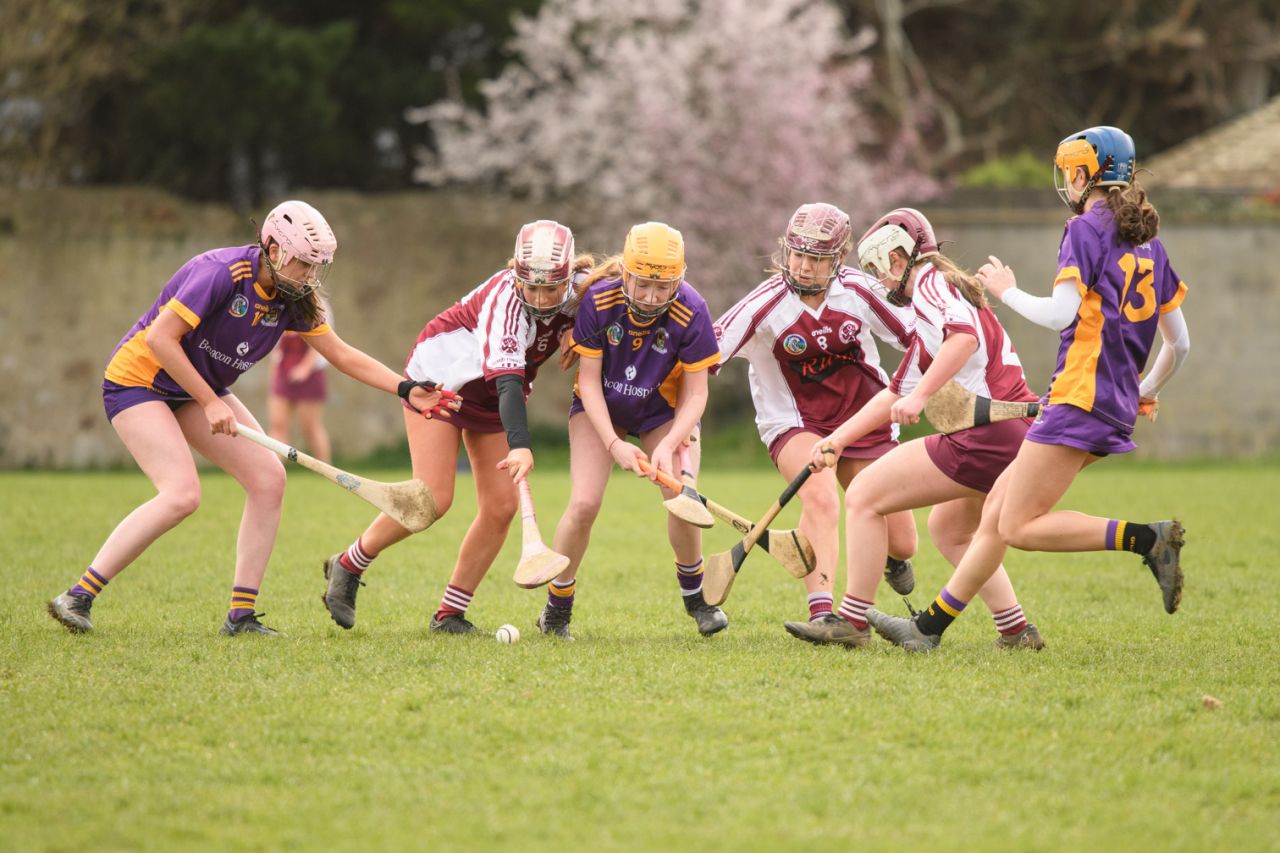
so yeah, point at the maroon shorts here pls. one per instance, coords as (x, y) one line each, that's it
(872, 451)
(976, 457)
(310, 390)
(470, 417)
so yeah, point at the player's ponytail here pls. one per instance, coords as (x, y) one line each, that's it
(969, 286)
(581, 263)
(1136, 218)
(610, 267)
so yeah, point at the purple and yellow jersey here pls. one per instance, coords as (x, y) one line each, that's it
(235, 323)
(1123, 289)
(644, 360)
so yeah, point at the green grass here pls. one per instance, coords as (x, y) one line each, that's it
(155, 733)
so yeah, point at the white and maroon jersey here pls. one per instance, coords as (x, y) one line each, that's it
(993, 370)
(484, 335)
(813, 368)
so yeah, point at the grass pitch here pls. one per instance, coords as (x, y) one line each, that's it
(154, 732)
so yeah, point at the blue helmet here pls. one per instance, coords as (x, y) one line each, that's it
(1106, 153)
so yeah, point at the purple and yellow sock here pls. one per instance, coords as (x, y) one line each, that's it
(1127, 536)
(940, 614)
(560, 593)
(690, 578)
(90, 584)
(243, 600)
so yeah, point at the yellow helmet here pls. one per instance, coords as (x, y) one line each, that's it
(654, 250)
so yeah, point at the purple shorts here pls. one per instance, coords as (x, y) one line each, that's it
(976, 457)
(117, 398)
(1071, 426)
(873, 451)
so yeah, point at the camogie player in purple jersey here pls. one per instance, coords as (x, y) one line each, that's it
(166, 392)
(645, 342)
(809, 333)
(957, 337)
(1114, 289)
(488, 347)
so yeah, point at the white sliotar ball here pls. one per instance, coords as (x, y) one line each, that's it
(508, 634)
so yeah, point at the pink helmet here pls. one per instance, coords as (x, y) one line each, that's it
(543, 256)
(819, 229)
(904, 229)
(303, 235)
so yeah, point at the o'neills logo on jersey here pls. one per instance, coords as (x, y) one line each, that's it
(630, 372)
(794, 344)
(237, 363)
(239, 306)
(848, 331)
(614, 334)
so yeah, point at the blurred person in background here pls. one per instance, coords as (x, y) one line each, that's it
(297, 390)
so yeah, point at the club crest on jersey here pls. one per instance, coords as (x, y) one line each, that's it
(239, 306)
(630, 372)
(614, 334)
(509, 345)
(794, 344)
(660, 341)
(848, 331)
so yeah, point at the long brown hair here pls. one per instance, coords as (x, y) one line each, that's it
(962, 280)
(610, 267)
(310, 308)
(1136, 218)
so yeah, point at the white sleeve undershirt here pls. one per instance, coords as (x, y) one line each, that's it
(1053, 312)
(1173, 351)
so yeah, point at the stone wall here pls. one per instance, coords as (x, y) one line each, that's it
(78, 266)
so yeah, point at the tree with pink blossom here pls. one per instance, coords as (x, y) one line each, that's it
(718, 117)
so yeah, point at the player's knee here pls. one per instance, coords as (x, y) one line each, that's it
(582, 513)
(181, 501)
(498, 510)
(945, 536)
(822, 506)
(903, 543)
(1012, 531)
(444, 500)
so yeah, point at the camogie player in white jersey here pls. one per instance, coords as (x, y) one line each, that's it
(956, 336)
(487, 347)
(808, 333)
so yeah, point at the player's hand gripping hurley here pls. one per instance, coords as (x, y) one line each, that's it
(538, 563)
(408, 503)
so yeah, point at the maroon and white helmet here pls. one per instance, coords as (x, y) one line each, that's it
(904, 229)
(543, 256)
(303, 235)
(819, 229)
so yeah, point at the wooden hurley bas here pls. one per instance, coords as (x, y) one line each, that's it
(953, 408)
(409, 503)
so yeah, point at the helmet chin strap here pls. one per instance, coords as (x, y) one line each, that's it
(814, 290)
(291, 291)
(1078, 204)
(898, 296)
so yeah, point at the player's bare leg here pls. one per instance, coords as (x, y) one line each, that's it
(261, 474)
(951, 527)
(589, 467)
(496, 505)
(433, 448)
(279, 417)
(152, 435)
(311, 420)
(819, 519)
(686, 544)
(901, 527)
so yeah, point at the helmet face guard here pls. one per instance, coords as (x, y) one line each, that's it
(306, 244)
(543, 259)
(1105, 153)
(817, 231)
(905, 230)
(653, 254)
